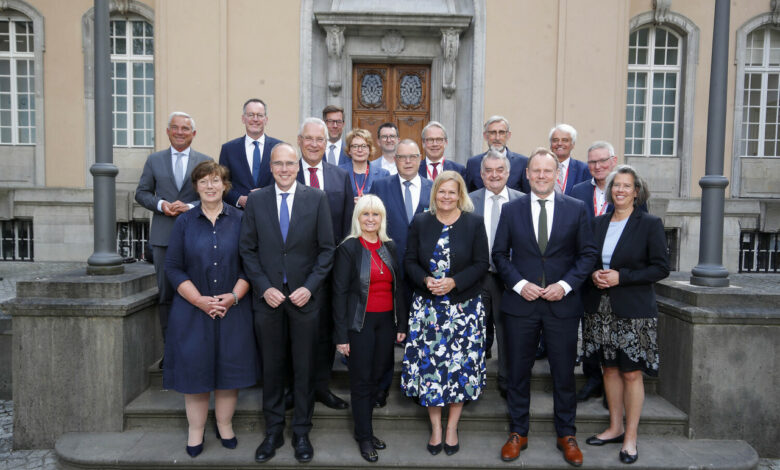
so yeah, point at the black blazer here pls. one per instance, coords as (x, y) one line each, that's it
(641, 259)
(339, 191)
(351, 280)
(307, 254)
(468, 254)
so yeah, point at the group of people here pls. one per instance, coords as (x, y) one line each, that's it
(273, 259)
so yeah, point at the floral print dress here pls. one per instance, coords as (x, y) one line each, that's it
(444, 359)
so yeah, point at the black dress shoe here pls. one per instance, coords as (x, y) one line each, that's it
(595, 441)
(590, 389)
(625, 457)
(267, 449)
(330, 400)
(227, 443)
(367, 451)
(378, 443)
(381, 399)
(302, 447)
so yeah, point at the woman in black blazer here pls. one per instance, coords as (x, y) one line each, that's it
(445, 261)
(368, 306)
(621, 311)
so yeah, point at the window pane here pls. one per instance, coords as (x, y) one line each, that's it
(668, 149)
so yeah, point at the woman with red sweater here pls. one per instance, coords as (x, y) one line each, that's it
(367, 310)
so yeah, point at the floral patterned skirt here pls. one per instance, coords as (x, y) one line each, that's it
(444, 359)
(626, 343)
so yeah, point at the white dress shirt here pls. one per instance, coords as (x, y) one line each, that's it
(250, 149)
(389, 166)
(600, 206)
(536, 208)
(429, 167)
(503, 198)
(563, 173)
(290, 198)
(185, 159)
(414, 188)
(307, 173)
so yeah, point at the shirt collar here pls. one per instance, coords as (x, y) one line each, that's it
(428, 161)
(248, 140)
(289, 191)
(221, 213)
(415, 181)
(504, 193)
(306, 165)
(550, 197)
(186, 151)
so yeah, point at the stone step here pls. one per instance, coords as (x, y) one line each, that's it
(158, 409)
(335, 448)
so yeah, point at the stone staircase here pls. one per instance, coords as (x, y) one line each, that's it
(155, 434)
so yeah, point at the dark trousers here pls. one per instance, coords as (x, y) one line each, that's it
(164, 288)
(276, 328)
(326, 348)
(492, 290)
(370, 351)
(522, 335)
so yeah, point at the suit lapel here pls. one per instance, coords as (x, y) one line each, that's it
(528, 215)
(633, 220)
(557, 222)
(299, 203)
(479, 202)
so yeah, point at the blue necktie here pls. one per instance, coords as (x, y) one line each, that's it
(408, 201)
(284, 224)
(256, 161)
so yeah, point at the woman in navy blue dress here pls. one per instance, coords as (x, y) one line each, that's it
(360, 147)
(210, 344)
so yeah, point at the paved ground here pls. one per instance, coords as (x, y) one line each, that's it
(11, 272)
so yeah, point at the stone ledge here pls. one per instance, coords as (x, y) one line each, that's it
(81, 307)
(77, 284)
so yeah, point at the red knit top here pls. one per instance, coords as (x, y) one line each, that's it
(380, 290)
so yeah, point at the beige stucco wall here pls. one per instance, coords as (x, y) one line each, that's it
(233, 50)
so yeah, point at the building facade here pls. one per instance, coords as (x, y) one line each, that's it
(635, 73)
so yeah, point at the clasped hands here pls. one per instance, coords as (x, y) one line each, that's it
(274, 297)
(552, 293)
(215, 306)
(440, 286)
(175, 208)
(604, 278)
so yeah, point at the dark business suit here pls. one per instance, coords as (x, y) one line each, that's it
(640, 258)
(570, 256)
(578, 172)
(444, 166)
(492, 290)
(233, 156)
(517, 177)
(341, 202)
(305, 258)
(158, 183)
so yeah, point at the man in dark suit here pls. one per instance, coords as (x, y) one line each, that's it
(316, 172)
(335, 153)
(434, 138)
(247, 157)
(496, 133)
(487, 203)
(404, 195)
(287, 250)
(166, 190)
(570, 171)
(544, 251)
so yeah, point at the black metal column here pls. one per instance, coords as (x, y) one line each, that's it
(105, 259)
(710, 271)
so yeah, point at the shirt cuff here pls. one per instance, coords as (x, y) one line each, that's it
(566, 287)
(159, 205)
(519, 286)
(191, 206)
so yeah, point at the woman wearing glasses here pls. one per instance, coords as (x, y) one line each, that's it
(360, 147)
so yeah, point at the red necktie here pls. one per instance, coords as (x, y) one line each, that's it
(435, 172)
(314, 182)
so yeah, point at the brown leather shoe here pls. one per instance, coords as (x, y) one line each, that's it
(571, 452)
(513, 446)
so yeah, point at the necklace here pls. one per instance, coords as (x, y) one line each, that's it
(371, 254)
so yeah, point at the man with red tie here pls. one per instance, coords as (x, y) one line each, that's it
(434, 137)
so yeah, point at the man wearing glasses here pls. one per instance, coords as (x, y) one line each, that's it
(334, 119)
(496, 133)
(434, 138)
(247, 157)
(387, 134)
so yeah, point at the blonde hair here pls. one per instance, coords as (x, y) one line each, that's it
(363, 204)
(464, 201)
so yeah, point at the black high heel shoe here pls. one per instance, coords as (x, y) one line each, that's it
(227, 443)
(194, 451)
(448, 449)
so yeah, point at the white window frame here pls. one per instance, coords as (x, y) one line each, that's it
(12, 56)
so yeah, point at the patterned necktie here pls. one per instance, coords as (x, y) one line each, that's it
(495, 213)
(256, 161)
(435, 172)
(314, 182)
(408, 201)
(332, 155)
(179, 170)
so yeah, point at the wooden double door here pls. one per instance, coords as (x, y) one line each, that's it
(397, 93)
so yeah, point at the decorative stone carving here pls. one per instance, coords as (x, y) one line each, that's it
(393, 42)
(119, 6)
(774, 6)
(661, 9)
(450, 41)
(335, 44)
(3, 5)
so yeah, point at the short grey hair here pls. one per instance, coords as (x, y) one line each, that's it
(602, 144)
(434, 124)
(494, 155)
(410, 142)
(313, 120)
(640, 185)
(493, 119)
(564, 128)
(182, 114)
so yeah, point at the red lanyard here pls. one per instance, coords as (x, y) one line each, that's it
(565, 179)
(597, 211)
(365, 180)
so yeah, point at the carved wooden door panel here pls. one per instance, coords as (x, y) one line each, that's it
(397, 93)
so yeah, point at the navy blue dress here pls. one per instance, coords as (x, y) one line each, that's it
(203, 354)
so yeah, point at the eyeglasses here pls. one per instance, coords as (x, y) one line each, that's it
(283, 164)
(435, 140)
(599, 162)
(358, 147)
(309, 139)
(408, 158)
(388, 137)
(337, 122)
(255, 115)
